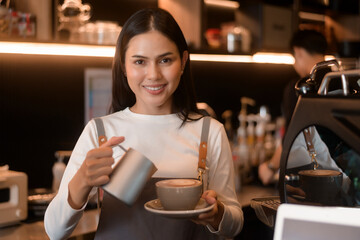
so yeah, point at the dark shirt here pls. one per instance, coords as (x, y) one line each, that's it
(290, 96)
(289, 100)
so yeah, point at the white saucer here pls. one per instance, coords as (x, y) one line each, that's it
(155, 206)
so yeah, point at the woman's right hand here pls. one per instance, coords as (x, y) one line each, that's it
(94, 171)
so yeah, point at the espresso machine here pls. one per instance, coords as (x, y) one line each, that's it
(333, 115)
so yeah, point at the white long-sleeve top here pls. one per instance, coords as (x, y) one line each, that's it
(173, 150)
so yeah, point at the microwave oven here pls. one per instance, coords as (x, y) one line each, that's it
(13, 197)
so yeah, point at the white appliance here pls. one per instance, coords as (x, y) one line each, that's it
(298, 222)
(13, 196)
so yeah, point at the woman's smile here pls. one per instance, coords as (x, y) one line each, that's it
(155, 89)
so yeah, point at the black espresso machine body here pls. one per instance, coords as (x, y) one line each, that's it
(332, 114)
(336, 118)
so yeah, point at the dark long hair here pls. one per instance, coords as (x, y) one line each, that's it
(145, 20)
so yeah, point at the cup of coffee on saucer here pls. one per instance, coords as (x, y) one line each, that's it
(179, 194)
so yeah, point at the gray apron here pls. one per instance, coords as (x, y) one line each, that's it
(120, 221)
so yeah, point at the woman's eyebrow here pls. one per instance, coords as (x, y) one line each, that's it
(160, 56)
(165, 54)
(138, 56)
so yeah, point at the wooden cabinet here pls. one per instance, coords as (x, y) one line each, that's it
(189, 15)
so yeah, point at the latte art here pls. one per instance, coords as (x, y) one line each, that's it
(179, 183)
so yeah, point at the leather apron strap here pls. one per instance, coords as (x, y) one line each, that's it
(101, 140)
(100, 131)
(203, 147)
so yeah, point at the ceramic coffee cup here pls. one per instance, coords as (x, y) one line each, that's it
(322, 186)
(179, 194)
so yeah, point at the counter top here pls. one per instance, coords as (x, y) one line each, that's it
(25, 231)
(88, 223)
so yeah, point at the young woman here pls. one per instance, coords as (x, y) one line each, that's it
(154, 111)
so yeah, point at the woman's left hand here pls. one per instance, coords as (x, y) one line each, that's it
(214, 216)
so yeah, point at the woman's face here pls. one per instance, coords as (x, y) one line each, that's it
(153, 68)
(301, 61)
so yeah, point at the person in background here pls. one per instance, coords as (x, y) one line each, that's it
(153, 111)
(308, 48)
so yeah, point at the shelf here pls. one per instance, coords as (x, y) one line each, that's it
(108, 51)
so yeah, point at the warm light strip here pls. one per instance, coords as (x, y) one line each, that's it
(222, 3)
(279, 58)
(312, 16)
(56, 49)
(108, 51)
(221, 58)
